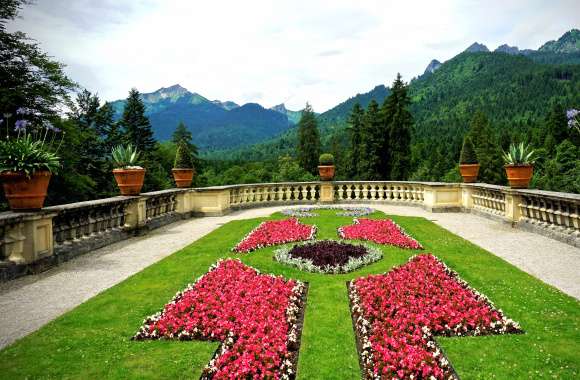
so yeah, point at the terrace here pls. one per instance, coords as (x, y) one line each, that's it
(128, 255)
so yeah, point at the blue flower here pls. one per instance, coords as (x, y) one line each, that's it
(572, 113)
(48, 125)
(20, 125)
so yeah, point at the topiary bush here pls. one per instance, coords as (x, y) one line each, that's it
(326, 159)
(183, 157)
(468, 155)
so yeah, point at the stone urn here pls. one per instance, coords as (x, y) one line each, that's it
(129, 180)
(519, 176)
(469, 172)
(25, 193)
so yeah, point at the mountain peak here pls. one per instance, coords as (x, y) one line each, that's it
(505, 48)
(433, 65)
(477, 47)
(175, 89)
(568, 43)
(280, 108)
(227, 105)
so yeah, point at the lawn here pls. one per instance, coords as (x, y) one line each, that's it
(93, 340)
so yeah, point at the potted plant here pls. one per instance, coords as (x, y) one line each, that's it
(326, 166)
(519, 165)
(468, 165)
(128, 174)
(183, 166)
(27, 160)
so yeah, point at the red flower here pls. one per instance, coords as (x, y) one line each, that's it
(254, 315)
(379, 231)
(398, 313)
(275, 232)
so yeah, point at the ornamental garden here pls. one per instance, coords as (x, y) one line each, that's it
(314, 293)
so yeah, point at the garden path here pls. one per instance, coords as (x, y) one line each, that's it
(28, 303)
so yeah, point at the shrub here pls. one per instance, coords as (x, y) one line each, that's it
(468, 155)
(183, 157)
(519, 154)
(125, 157)
(326, 159)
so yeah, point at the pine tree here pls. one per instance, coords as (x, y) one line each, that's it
(487, 150)
(356, 120)
(371, 137)
(181, 133)
(556, 128)
(137, 128)
(395, 149)
(308, 141)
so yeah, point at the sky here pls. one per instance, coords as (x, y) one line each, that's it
(273, 52)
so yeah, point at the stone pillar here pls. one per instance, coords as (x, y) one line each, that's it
(466, 197)
(327, 192)
(136, 213)
(29, 239)
(512, 206)
(442, 197)
(211, 201)
(184, 202)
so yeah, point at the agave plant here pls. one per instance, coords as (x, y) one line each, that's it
(519, 154)
(125, 157)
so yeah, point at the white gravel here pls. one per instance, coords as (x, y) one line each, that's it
(28, 303)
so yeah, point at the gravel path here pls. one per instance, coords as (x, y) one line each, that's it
(28, 303)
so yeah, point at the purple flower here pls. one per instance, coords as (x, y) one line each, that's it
(20, 125)
(48, 125)
(572, 113)
(1, 121)
(24, 111)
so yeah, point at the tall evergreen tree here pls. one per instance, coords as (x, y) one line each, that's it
(395, 148)
(356, 120)
(137, 128)
(371, 139)
(556, 128)
(308, 141)
(183, 135)
(487, 150)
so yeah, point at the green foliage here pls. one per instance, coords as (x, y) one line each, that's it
(519, 154)
(27, 155)
(487, 150)
(326, 159)
(396, 149)
(183, 158)
(371, 139)
(125, 156)
(137, 128)
(468, 155)
(289, 171)
(561, 173)
(355, 120)
(308, 141)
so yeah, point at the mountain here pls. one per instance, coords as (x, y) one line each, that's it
(433, 65)
(514, 90)
(213, 124)
(476, 48)
(293, 116)
(568, 43)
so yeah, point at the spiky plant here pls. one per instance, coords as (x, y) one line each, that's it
(125, 156)
(519, 154)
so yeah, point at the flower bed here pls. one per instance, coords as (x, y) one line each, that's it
(305, 212)
(257, 317)
(383, 231)
(397, 314)
(328, 256)
(275, 232)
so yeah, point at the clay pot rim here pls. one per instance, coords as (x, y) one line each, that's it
(469, 164)
(10, 173)
(518, 165)
(326, 166)
(179, 169)
(120, 170)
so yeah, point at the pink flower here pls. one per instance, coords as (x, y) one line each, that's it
(379, 231)
(275, 232)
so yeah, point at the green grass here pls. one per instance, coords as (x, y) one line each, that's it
(92, 341)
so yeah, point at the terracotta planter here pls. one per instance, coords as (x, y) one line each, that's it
(519, 176)
(183, 177)
(130, 181)
(25, 193)
(469, 172)
(326, 172)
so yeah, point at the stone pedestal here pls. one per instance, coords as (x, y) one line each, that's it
(28, 238)
(211, 201)
(326, 192)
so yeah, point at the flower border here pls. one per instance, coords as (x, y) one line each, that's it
(312, 236)
(307, 212)
(340, 232)
(282, 255)
(294, 317)
(362, 327)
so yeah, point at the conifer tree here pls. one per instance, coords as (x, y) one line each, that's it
(308, 141)
(487, 149)
(137, 128)
(356, 120)
(183, 135)
(371, 138)
(395, 149)
(556, 128)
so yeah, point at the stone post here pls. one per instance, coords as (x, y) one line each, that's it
(466, 197)
(326, 192)
(136, 214)
(211, 201)
(512, 206)
(184, 202)
(442, 197)
(29, 239)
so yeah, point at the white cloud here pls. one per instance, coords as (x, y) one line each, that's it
(278, 51)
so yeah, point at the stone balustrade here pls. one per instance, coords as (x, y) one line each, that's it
(32, 241)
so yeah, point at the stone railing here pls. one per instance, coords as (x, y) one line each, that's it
(32, 241)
